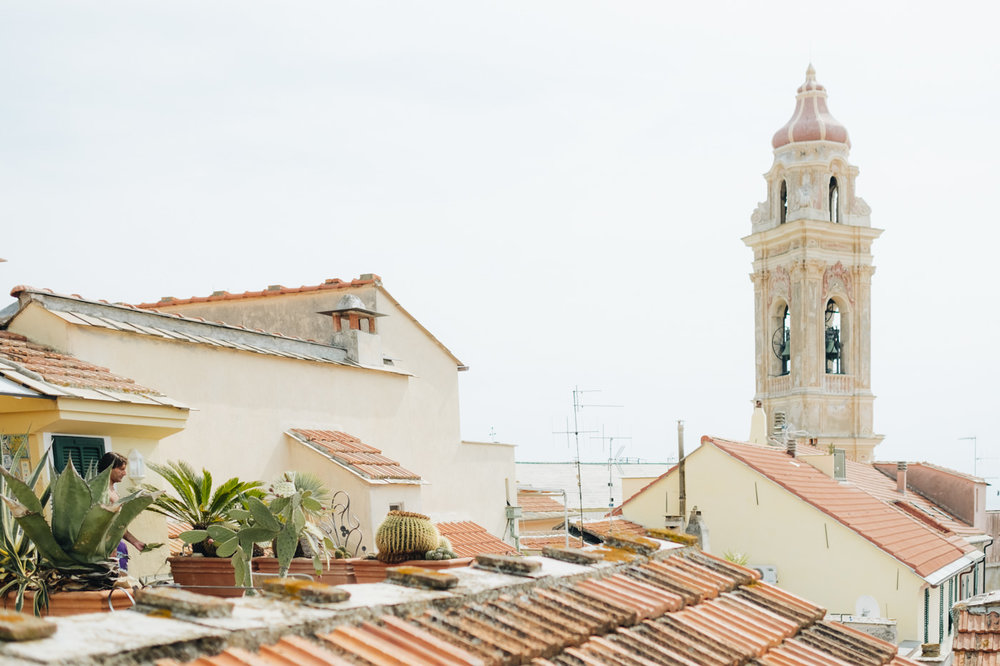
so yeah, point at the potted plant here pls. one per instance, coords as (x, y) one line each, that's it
(408, 539)
(325, 545)
(196, 503)
(73, 546)
(281, 521)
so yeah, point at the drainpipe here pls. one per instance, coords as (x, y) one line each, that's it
(682, 481)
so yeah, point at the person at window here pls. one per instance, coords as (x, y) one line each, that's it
(119, 468)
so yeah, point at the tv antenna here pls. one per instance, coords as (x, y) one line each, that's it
(576, 432)
(616, 460)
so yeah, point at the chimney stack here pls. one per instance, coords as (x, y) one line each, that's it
(790, 446)
(901, 477)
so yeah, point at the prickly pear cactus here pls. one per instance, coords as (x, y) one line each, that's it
(404, 535)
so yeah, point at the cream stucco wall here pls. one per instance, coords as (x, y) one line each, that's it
(816, 556)
(243, 402)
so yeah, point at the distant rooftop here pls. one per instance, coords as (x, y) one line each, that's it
(364, 460)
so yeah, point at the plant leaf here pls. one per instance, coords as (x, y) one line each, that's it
(262, 514)
(89, 545)
(220, 533)
(71, 499)
(100, 485)
(193, 536)
(22, 492)
(227, 547)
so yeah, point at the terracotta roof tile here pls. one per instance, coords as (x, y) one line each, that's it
(549, 541)
(621, 618)
(469, 539)
(63, 369)
(272, 290)
(908, 539)
(536, 502)
(602, 529)
(354, 454)
(977, 630)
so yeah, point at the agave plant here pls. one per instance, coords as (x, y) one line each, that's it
(196, 503)
(19, 571)
(85, 526)
(284, 521)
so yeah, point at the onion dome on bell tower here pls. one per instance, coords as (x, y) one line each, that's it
(812, 120)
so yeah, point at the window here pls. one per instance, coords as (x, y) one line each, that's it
(783, 206)
(833, 345)
(85, 452)
(396, 506)
(781, 341)
(834, 201)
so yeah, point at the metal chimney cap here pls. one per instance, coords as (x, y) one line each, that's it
(351, 303)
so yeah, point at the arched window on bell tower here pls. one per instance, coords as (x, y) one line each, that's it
(783, 206)
(834, 201)
(781, 341)
(833, 345)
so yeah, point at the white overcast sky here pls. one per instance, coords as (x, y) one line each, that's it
(557, 190)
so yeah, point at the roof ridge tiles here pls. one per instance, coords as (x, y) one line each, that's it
(273, 290)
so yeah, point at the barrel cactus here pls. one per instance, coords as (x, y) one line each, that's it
(404, 535)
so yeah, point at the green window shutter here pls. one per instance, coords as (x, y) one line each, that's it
(85, 452)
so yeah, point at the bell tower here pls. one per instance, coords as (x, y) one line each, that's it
(812, 269)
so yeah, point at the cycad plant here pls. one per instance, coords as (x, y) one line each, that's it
(196, 503)
(85, 526)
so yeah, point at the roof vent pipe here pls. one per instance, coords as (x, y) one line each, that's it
(790, 446)
(901, 477)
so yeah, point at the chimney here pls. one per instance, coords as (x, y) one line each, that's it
(901, 477)
(698, 529)
(790, 446)
(354, 330)
(758, 424)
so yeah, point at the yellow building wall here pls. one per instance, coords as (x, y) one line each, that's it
(816, 557)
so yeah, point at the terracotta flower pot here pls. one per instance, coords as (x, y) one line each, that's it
(205, 575)
(75, 603)
(335, 572)
(368, 571)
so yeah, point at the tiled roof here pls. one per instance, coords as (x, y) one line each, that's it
(602, 529)
(903, 536)
(874, 482)
(52, 373)
(977, 631)
(174, 541)
(78, 311)
(351, 452)
(689, 609)
(889, 468)
(549, 541)
(469, 539)
(272, 290)
(532, 501)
